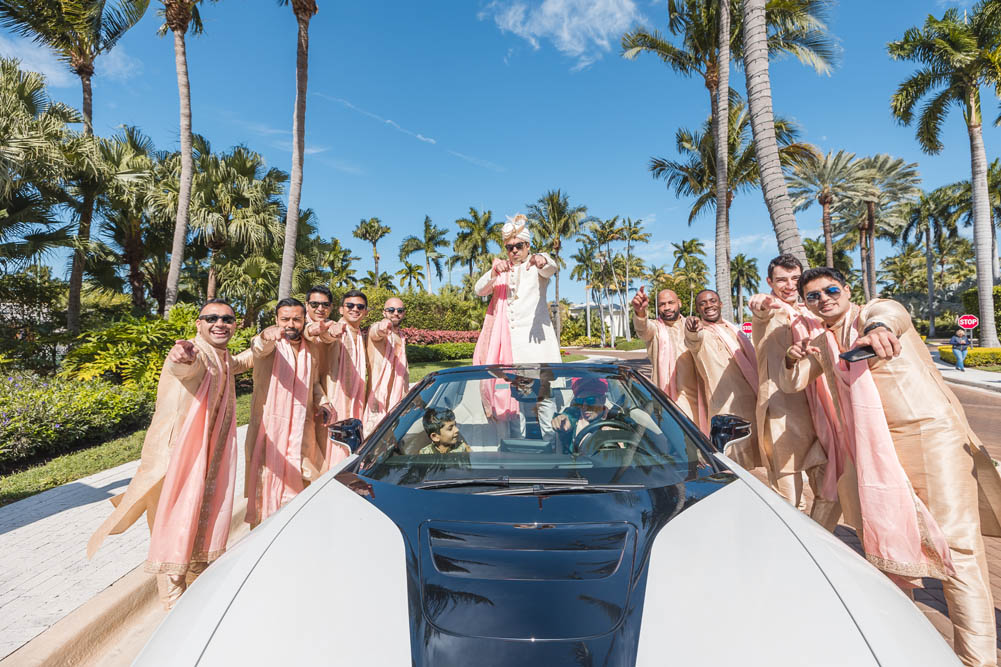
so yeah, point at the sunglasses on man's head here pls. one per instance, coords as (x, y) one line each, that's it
(832, 291)
(521, 245)
(319, 304)
(212, 319)
(391, 310)
(353, 306)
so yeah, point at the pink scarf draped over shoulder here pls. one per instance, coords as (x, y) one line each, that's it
(195, 509)
(494, 347)
(277, 459)
(899, 534)
(390, 384)
(740, 347)
(667, 360)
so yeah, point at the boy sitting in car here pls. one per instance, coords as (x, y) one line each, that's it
(440, 426)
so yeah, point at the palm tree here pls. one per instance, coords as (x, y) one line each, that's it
(584, 269)
(931, 215)
(384, 281)
(338, 261)
(78, 32)
(429, 243)
(304, 10)
(180, 16)
(250, 284)
(475, 235)
(744, 274)
(963, 196)
(555, 220)
(410, 274)
(888, 182)
(958, 54)
(759, 99)
(816, 252)
(901, 273)
(632, 232)
(826, 180)
(689, 267)
(372, 230)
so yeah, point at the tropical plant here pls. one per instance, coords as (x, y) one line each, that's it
(304, 10)
(250, 285)
(902, 273)
(826, 180)
(555, 220)
(337, 261)
(78, 32)
(689, 267)
(957, 53)
(632, 232)
(384, 281)
(410, 274)
(583, 270)
(434, 237)
(744, 274)
(372, 231)
(476, 233)
(816, 252)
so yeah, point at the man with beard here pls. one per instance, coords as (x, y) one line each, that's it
(187, 476)
(283, 455)
(789, 441)
(387, 355)
(673, 366)
(916, 476)
(345, 377)
(727, 368)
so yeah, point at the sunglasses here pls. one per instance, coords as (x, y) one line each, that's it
(516, 246)
(319, 304)
(589, 400)
(832, 291)
(391, 309)
(212, 319)
(353, 306)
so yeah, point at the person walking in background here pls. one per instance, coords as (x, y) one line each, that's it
(960, 346)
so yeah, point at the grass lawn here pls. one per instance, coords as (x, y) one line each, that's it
(421, 368)
(73, 466)
(993, 369)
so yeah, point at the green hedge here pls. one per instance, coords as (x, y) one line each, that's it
(971, 304)
(43, 416)
(424, 311)
(975, 356)
(634, 344)
(440, 352)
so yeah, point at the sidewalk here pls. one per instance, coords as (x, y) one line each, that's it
(971, 377)
(44, 571)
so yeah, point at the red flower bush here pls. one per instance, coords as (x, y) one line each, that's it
(433, 337)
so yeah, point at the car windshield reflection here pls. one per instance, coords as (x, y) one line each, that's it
(487, 429)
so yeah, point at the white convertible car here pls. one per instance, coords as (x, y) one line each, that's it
(592, 525)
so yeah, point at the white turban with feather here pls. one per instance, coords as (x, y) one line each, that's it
(516, 228)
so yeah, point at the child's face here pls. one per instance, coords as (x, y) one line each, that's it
(448, 436)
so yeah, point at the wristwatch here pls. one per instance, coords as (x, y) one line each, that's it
(874, 325)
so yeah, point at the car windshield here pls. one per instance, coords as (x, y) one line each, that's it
(551, 425)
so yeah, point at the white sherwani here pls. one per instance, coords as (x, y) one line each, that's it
(533, 338)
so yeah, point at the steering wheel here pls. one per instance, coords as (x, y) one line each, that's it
(618, 427)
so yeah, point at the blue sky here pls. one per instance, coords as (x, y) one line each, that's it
(429, 108)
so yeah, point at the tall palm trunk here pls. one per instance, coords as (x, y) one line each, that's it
(930, 274)
(427, 262)
(629, 328)
(375, 259)
(721, 125)
(995, 260)
(982, 238)
(825, 218)
(213, 279)
(601, 315)
(870, 239)
(863, 265)
(759, 99)
(133, 258)
(611, 317)
(302, 15)
(85, 72)
(178, 15)
(587, 307)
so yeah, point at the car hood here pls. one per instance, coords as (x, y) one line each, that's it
(402, 579)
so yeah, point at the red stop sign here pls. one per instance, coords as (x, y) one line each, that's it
(968, 321)
(746, 328)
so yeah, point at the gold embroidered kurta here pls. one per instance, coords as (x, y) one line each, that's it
(175, 396)
(684, 369)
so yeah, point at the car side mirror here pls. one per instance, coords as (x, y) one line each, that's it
(348, 433)
(725, 429)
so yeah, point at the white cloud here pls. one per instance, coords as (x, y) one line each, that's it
(36, 58)
(581, 29)
(118, 65)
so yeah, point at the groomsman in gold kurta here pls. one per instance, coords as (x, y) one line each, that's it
(727, 368)
(788, 443)
(673, 366)
(943, 459)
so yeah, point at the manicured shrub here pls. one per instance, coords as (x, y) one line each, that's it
(424, 311)
(440, 352)
(634, 344)
(975, 356)
(433, 337)
(584, 341)
(43, 416)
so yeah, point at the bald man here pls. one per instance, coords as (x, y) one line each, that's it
(387, 356)
(727, 367)
(673, 366)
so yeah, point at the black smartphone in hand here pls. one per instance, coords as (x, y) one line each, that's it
(858, 354)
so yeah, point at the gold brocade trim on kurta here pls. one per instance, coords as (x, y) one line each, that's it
(935, 567)
(206, 557)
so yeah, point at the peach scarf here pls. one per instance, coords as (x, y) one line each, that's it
(740, 348)
(899, 534)
(494, 347)
(804, 326)
(667, 360)
(277, 460)
(196, 501)
(390, 384)
(350, 392)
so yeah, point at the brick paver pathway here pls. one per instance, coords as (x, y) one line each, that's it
(44, 571)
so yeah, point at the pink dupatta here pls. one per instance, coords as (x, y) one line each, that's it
(740, 347)
(494, 347)
(667, 361)
(277, 460)
(390, 385)
(899, 534)
(196, 501)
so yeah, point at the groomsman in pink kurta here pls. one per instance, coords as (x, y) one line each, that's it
(388, 370)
